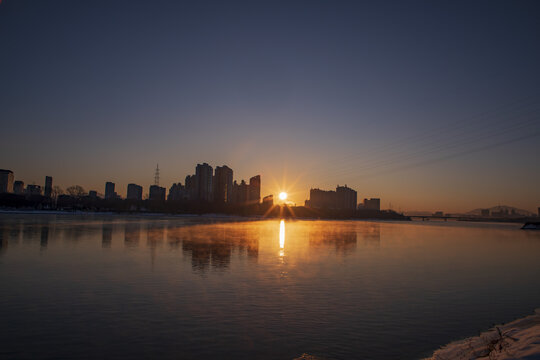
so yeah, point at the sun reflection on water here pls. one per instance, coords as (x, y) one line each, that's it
(281, 237)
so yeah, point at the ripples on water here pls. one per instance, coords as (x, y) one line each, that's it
(192, 288)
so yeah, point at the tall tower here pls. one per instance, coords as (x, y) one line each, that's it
(48, 186)
(204, 174)
(109, 190)
(255, 189)
(223, 183)
(156, 176)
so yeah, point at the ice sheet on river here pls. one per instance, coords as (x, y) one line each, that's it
(519, 339)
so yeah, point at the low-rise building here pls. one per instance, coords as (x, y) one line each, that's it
(33, 190)
(268, 200)
(18, 187)
(372, 204)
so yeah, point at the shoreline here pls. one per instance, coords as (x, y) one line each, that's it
(194, 215)
(518, 339)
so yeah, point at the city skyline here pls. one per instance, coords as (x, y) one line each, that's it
(426, 106)
(317, 198)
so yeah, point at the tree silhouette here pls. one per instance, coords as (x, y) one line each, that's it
(76, 191)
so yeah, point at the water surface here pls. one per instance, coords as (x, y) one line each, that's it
(107, 286)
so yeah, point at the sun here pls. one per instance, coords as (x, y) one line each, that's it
(282, 196)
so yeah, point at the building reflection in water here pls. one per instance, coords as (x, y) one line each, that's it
(343, 240)
(106, 238)
(132, 234)
(76, 232)
(4, 233)
(155, 233)
(9, 234)
(14, 233)
(174, 240)
(31, 233)
(371, 235)
(44, 239)
(211, 246)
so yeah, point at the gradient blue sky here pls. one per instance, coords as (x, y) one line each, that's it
(430, 105)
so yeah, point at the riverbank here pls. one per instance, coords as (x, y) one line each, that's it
(519, 339)
(256, 211)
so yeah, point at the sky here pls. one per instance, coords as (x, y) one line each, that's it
(429, 105)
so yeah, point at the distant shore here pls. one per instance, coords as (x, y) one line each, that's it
(290, 213)
(187, 207)
(519, 339)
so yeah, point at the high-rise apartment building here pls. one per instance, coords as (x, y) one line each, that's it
(177, 192)
(157, 193)
(134, 192)
(223, 183)
(240, 192)
(255, 189)
(109, 190)
(48, 186)
(204, 174)
(321, 199)
(344, 198)
(191, 187)
(6, 181)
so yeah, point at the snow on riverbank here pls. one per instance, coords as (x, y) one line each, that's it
(519, 339)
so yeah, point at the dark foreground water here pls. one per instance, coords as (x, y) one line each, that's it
(198, 288)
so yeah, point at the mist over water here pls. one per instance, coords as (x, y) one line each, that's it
(107, 286)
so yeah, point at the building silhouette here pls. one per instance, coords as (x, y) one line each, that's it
(18, 187)
(346, 198)
(132, 234)
(109, 190)
(255, 189)
(343, 198)
(6, 181)
(48, 186)
(157, 193)
(204, 174)
(321, 199)
(177, 192)
(268, 200)
(134, 192)
(223, 184)
(191, 187)
(372, 204)
(240, 192)
(32, 190)
(92, 194)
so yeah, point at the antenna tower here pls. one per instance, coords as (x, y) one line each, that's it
(156, 176)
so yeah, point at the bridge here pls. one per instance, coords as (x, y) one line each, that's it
(470, 218)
